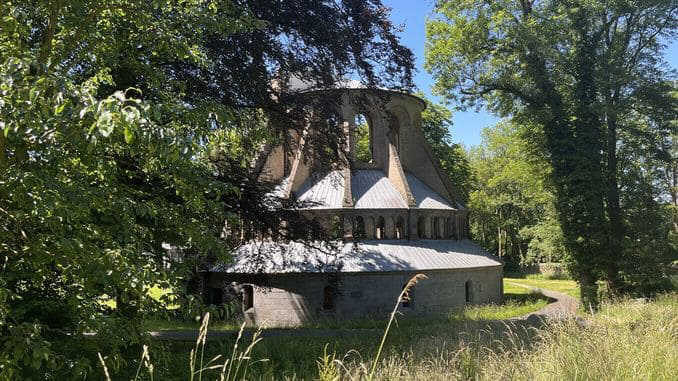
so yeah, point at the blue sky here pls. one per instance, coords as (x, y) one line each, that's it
(467, 125)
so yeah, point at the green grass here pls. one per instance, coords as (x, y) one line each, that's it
(568, 287)
(627, 340)
(514, 305)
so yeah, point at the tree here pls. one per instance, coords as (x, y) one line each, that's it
(436, 124)
(127, 125)
(512, 206)
(573, 68)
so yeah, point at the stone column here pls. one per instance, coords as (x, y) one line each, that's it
(389, 229)
(458, 226)
(348, 228)
(441, 228)
(411, 226)
(369, 227)
(428, 228)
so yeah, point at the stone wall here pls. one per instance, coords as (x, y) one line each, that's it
(291, 299)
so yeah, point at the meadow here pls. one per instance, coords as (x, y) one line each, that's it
(626, 339)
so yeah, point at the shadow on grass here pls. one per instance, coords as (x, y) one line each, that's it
(514, 305)
(294, 351)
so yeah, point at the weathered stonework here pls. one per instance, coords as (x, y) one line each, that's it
(401, 195)
(292, 299)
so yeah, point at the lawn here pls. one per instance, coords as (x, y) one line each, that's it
(627, 340)
(565, 286)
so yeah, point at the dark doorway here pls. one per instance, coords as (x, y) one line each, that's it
(247, 297)
(468, 291)
(215, 296)
(328, 298)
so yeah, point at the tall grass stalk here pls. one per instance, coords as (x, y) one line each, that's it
(146, 362)
(200, 343)
(103, 365)
(404, 295)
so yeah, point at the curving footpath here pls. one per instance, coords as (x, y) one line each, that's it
(564, 307)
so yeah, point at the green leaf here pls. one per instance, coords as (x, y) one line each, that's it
(105, 123)
(129, 135)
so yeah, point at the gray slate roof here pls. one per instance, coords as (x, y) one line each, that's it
(326, 192)
(366, 256)
(425, 197)
(371, 189)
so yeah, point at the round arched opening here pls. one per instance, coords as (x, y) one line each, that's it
(363, 136)
(380, 228)
(359, 227)
(399, 228)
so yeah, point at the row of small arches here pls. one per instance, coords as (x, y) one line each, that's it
(428, 227)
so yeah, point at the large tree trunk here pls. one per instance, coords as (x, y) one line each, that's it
(572, 132)
(613, 205)
(672, 177)
(588, 290)
(674, 196)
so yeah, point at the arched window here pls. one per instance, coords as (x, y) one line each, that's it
(408, 298)
(421, 227)
(247, 297)
(399, 228)
(380, 228)
(328, 298)
(359, 227)
(468, 291)
(364, 136)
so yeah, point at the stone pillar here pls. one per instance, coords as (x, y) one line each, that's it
(369, 227)
(428, 228)
(348, 228)
(458, 227)
(441, 228)
(389, 230)
(411, 226)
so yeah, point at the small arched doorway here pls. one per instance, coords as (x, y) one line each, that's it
(328, 298)
(468, 292)
(247, 297)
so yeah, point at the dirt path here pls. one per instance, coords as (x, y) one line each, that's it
(564, 307)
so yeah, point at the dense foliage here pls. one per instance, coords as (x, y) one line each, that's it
(436, 124)
(129, 125)
(588, 75)
(512, 204)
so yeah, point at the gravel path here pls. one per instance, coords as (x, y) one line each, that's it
(564, 307)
